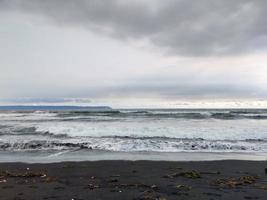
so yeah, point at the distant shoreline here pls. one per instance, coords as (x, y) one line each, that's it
(47, 108)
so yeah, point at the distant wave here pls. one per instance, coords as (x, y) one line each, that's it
(107, 115)
(173, 114)
(32, 131)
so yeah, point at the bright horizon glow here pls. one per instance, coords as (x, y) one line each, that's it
(143, 103)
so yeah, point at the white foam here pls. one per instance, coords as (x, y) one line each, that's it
(18, 143)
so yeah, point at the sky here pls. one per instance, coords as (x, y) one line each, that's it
(134, 53)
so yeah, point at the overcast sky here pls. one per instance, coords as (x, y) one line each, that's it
(134, 53)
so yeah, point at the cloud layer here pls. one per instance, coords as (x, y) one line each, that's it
(182, 27)
(136, 51)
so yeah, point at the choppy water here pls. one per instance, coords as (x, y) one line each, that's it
(134, 131)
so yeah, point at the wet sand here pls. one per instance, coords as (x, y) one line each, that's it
(135, 180)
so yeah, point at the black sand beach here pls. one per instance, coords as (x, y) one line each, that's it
(135, 180)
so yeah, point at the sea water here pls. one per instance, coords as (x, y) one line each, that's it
(135, 132)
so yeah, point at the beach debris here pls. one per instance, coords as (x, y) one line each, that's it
(50, 179)
(27, 174)
(154, 187)
(93, 186)
(184, 187)
(135, 185)
(115, 190)
(188, 174)
(191, 174)
(234, 182)
(170, 175)
(43, 176)
(150, 195)
(3, 180)
(113, 180)
(264, 187)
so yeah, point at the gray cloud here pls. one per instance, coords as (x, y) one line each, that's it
(67, 51)
(182, 27)
(43, 100)
(182, 90)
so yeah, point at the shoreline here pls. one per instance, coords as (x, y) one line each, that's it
(134, 180)
(98, 155)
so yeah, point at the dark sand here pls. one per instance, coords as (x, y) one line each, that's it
(139, 180)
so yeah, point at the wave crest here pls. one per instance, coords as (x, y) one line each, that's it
(128, 144)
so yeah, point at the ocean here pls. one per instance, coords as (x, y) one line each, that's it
(79, 134)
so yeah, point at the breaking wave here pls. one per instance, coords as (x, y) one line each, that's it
(129, 144)
(178, 114)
